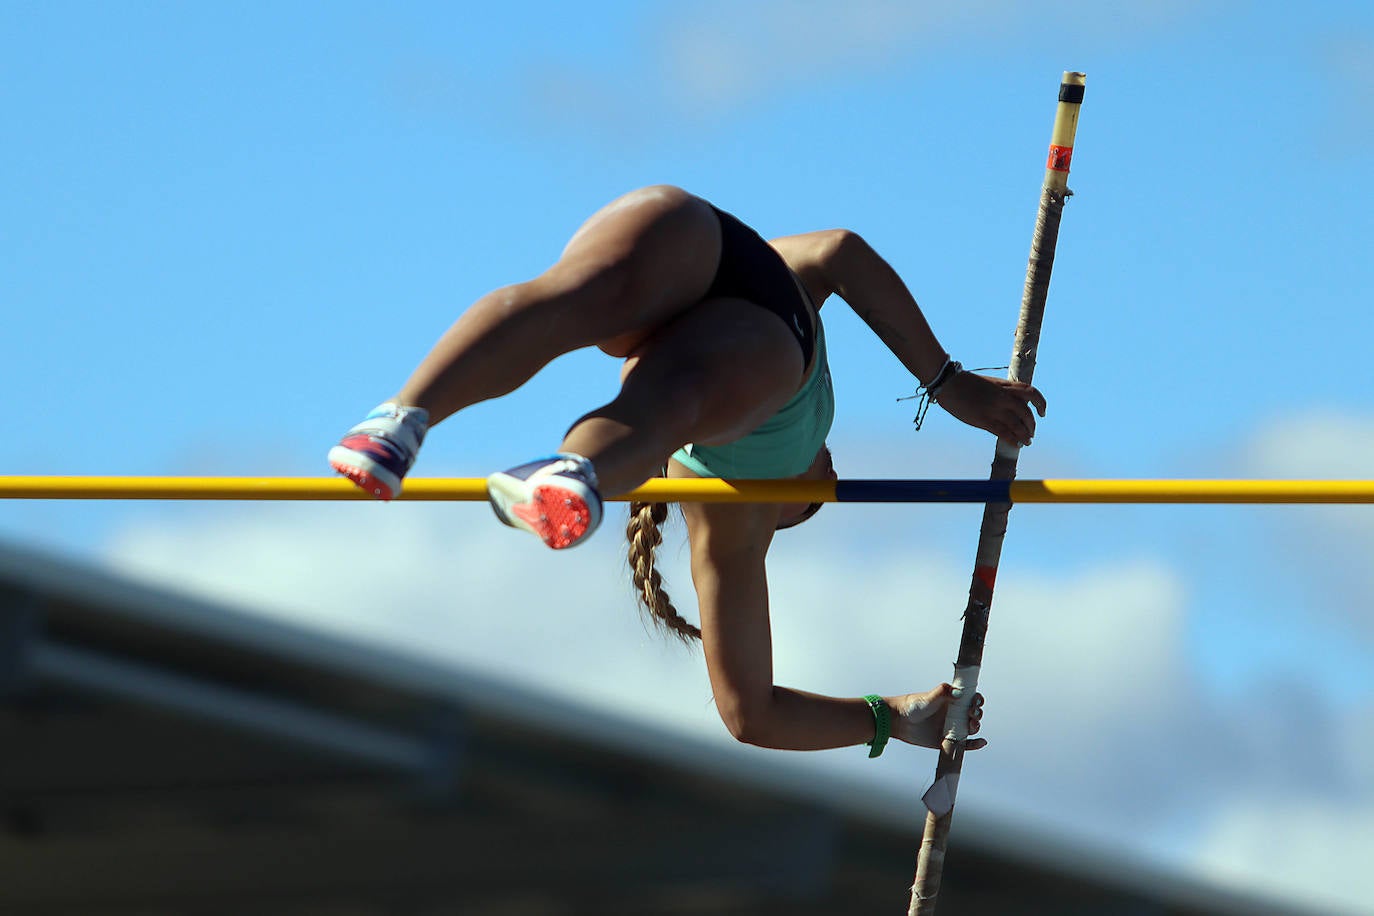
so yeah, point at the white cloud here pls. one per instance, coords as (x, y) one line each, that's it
(1331, 544)
(715, 57)
(448, 581)
(443, 581)
(1357, 744)
(1320, 850)
(1084, 672)
(1322, 444)
(1348, 62)
(1300, 793)
(721, 54)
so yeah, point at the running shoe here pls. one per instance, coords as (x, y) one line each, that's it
(554, 498)
(377, 453)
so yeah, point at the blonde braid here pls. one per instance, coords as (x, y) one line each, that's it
(644, 536)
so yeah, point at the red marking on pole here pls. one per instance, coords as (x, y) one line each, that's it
(1060, 157)
(986, 575)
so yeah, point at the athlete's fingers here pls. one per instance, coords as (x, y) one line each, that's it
(1028, 393)
(1017, 427)
(1035, 397)
(1009, 430)
(1018, 418)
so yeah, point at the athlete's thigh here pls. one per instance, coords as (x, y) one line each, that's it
(639, 261)
(727, 363)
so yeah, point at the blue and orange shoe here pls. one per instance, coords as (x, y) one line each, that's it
(554, 498)
(377, 453)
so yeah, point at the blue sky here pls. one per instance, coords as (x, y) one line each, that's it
(229, 231)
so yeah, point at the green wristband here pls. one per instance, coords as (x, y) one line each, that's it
(882, 721)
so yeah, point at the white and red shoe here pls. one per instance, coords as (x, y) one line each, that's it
(554, 498)
(377, 453)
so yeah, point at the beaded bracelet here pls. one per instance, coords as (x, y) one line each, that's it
(926, 394)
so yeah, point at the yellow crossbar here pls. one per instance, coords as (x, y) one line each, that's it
(421, 489)
(1193, 491)
(893, 491)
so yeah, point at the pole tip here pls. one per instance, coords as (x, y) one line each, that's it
(1074, 78)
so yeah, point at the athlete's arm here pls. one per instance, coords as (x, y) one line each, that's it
(729, 543)
(839, 261)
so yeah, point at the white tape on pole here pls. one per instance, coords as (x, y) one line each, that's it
(965, 685)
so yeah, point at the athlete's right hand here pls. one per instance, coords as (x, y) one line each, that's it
(1000, 406)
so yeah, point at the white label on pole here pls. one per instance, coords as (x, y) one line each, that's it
(939, 798)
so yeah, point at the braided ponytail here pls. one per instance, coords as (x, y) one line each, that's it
(644, 536)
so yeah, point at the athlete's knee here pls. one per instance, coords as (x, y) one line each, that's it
(667, 195)
(677, 206)
(635, 258)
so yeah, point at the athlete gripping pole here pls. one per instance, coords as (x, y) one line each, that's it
(940, 798)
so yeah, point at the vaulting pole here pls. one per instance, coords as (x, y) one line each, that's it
(939, 799)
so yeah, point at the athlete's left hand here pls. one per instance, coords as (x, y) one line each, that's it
(919, 718)
(997, 405)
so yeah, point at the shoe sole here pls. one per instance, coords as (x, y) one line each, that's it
(558, 516)
(365, 473)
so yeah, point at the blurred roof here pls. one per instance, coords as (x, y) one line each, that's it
(167, 753)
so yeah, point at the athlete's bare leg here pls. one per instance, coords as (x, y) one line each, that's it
(634, 266)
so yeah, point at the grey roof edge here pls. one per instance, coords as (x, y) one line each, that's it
(48, 574)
